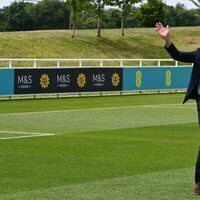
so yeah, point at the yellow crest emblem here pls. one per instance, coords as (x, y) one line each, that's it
(115, 79)
(81, 80)
(44, 81)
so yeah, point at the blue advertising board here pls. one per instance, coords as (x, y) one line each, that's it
(6, 81)
(156, 78)
(67, 80)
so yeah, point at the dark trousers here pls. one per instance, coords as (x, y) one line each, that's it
(197, 169)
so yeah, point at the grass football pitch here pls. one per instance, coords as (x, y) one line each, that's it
(123, 147)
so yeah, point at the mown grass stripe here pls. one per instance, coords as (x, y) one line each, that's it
(166, 185)
(104, 108)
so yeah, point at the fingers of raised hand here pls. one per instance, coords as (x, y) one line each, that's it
(158, 27)
(161, 29)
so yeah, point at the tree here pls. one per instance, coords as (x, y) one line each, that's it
(15, 16)
(50, 14)
(98, 6)
(197, 3)
(125, 6)
(181, 16)
(111, 18)
(76, 7)
(47, 14)
(153, 11)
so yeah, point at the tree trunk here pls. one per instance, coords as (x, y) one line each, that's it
(70, 20)
(122, 26)
(73, 31)
(98, 27)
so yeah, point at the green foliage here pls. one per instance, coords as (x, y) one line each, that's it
(98, 6)
(153, 11)
(49, 14)
(111, 14)
(125, 6)
(180, 16)
(54, 14)
(76, 6)
(15, 17)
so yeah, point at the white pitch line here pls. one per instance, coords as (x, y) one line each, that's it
(21, 132)
(30, 134)
(94, 109)
(167, 106)
(26, 136)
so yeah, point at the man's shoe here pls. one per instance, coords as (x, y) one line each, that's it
(197, 189)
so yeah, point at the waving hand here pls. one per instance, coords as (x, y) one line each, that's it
(163, 32)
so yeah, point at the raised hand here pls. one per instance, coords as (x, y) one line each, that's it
(163, 32)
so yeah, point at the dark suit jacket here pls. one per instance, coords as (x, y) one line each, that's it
(190, 57)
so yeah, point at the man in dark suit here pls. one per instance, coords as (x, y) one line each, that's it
(193, 91)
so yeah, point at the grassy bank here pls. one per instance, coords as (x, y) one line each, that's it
(138, 43)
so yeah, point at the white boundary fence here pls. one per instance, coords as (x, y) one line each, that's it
(82, 61)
